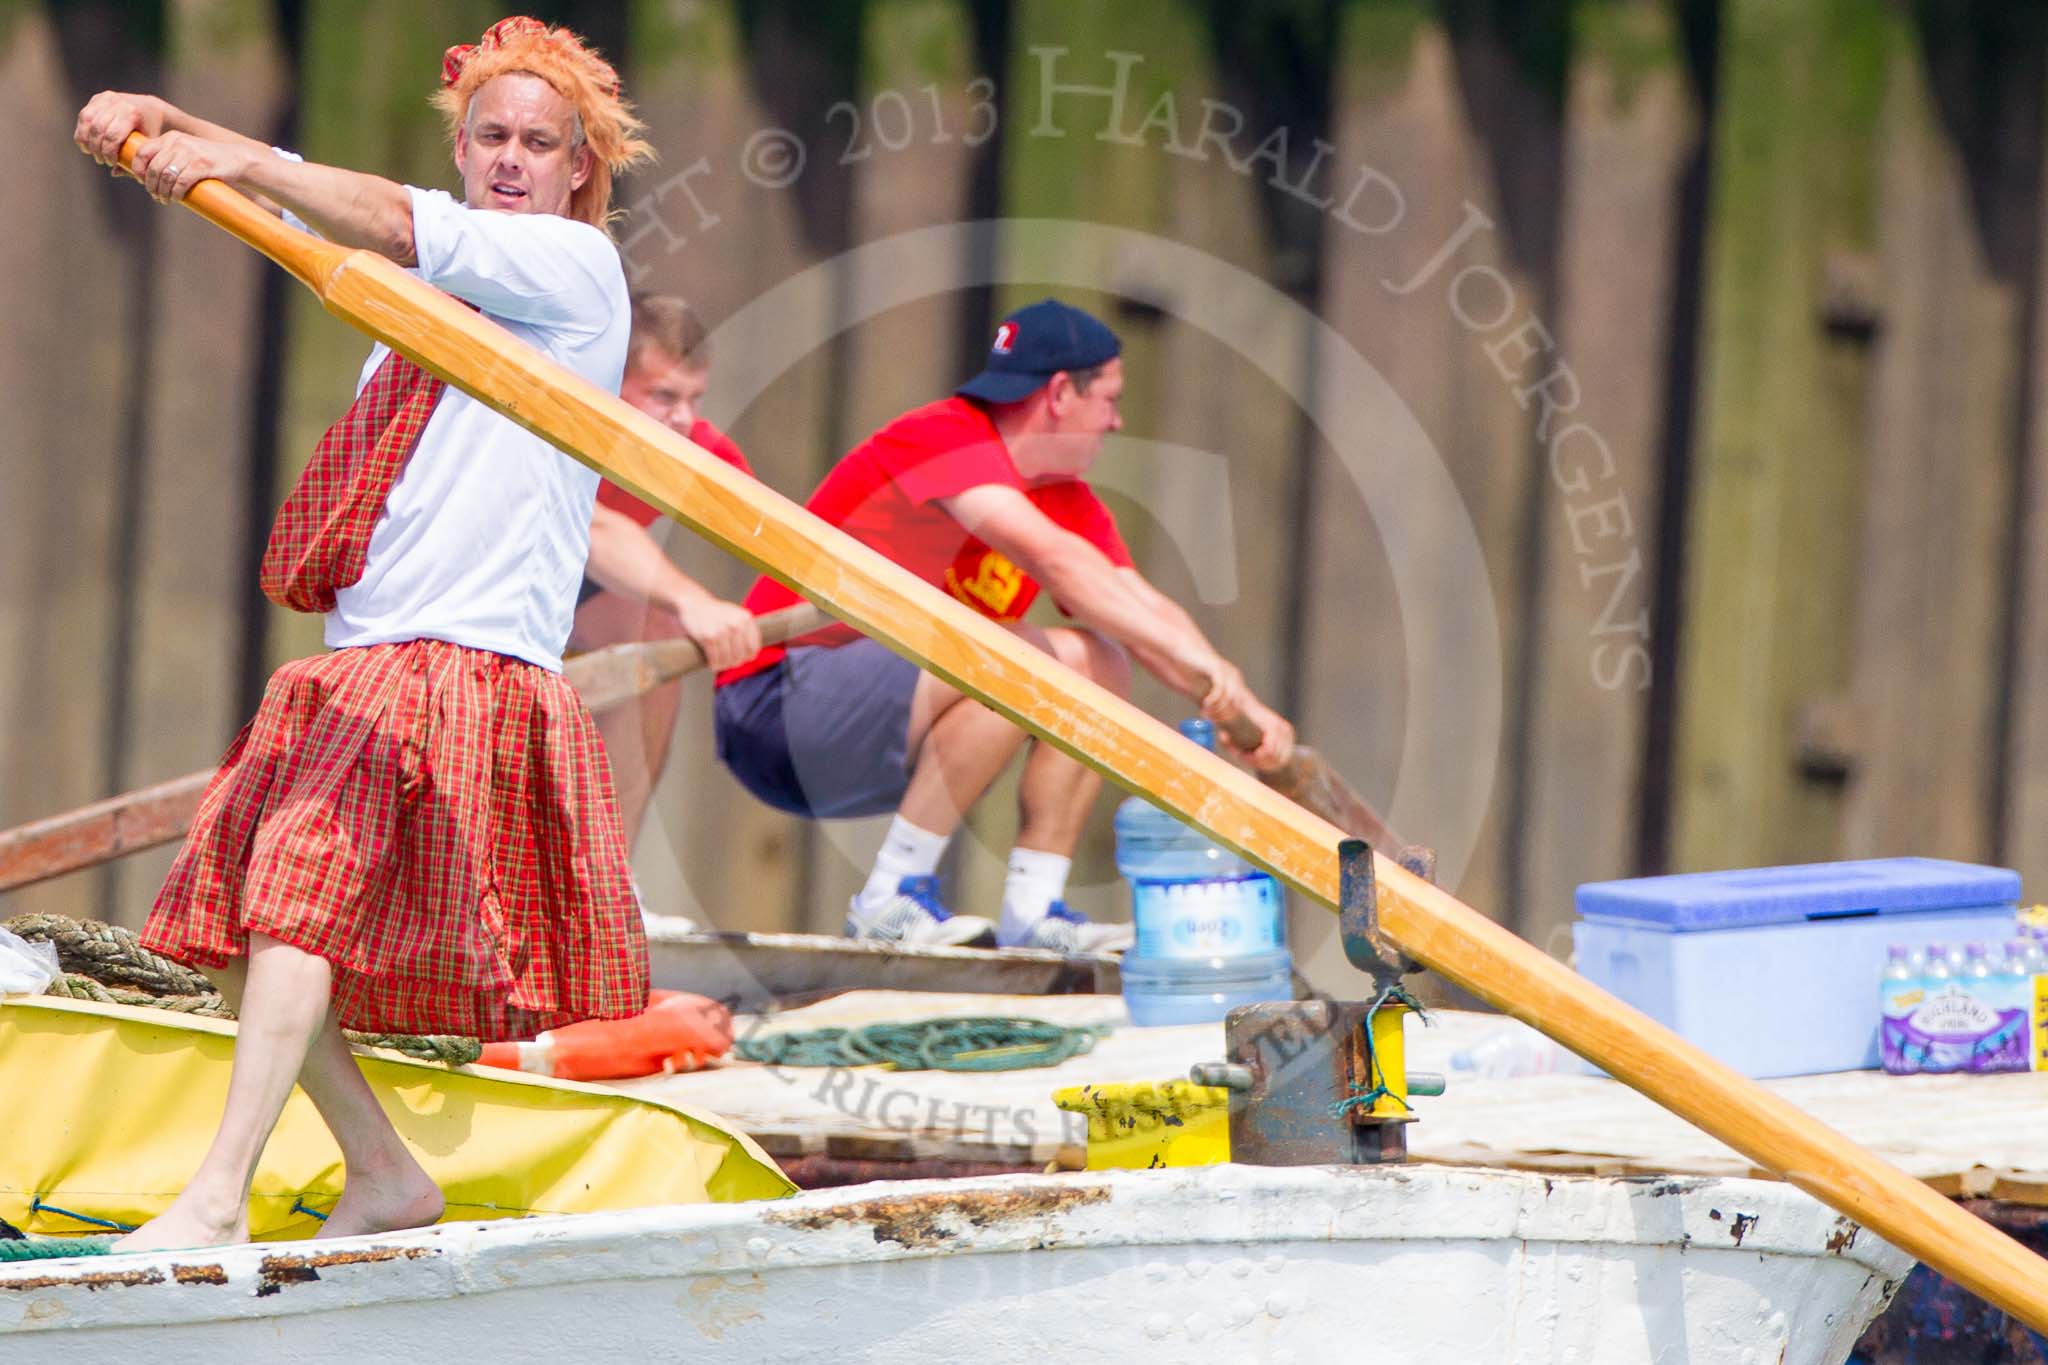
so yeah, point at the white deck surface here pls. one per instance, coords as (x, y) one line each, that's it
(1964, 1134)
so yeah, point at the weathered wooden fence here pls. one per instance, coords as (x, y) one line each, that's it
(1612, 429)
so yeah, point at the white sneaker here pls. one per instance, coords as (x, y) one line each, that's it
(1065, 930)
(914, 915)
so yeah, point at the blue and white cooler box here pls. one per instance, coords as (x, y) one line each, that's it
(1774, 970)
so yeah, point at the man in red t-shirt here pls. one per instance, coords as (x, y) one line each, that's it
(980, 495)
(631, 590)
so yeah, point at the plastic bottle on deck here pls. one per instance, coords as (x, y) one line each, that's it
(2016, 971)
(1898, 991)
(1513, 1049)
(1899, 967)
(1211, 927)
(2031, 964)
(1938, 979)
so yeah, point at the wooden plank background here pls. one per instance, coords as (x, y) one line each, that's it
(1723, 321)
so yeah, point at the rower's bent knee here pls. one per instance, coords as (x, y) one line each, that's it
(1101, 658)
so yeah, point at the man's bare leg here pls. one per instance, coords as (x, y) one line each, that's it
(286, 1004)
(636, 733)
(384, 1188)
(1054, 798)
(960, 746)
(958, 755)
(955, 748)
(1057, 791)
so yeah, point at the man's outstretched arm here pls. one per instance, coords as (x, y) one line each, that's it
(348, 208)
(1276, 731)
(626, 560)
(1119, 603)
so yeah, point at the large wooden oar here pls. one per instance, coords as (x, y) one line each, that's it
(889, 604)
(138, 820)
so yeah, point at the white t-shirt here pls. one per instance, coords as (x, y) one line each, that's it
(484, 537)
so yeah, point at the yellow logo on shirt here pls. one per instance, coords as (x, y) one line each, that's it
(987, 580)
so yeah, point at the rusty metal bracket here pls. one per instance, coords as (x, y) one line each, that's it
(1303, 1059)
(1358, 918)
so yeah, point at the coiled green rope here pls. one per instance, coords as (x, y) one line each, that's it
(965, 1043)
(16, 1245)
(53, 1248)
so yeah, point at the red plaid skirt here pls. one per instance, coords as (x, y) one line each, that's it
(439, 824)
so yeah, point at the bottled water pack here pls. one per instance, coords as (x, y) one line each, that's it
(1960, 1007)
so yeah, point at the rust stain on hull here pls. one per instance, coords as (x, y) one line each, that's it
(933, 1220)
(273, 1274)
(99, 1279)
(278, 1271)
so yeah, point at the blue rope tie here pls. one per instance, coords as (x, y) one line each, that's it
(1365, 1099)
(36, 1205)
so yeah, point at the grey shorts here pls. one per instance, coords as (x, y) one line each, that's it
(824, 733)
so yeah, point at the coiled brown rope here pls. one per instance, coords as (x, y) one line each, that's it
(109, 955)
(74, 986)
(107, 964)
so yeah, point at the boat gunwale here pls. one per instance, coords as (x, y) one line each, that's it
(914, 1220)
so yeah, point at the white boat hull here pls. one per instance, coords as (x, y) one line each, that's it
(1410, 1264)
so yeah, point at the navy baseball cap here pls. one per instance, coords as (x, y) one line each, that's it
(1035, 343)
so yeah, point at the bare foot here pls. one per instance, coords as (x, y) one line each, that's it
(188, 1223)
(389, 1201)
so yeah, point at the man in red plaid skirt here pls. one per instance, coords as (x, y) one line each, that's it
(417, 832)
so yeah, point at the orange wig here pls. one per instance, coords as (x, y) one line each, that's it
(577, 74)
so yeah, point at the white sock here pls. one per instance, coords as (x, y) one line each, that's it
(907, 851)
(1036, 880)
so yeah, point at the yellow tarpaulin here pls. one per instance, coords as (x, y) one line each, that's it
(105, 1111)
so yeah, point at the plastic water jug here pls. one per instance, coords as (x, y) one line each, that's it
(1211, 928)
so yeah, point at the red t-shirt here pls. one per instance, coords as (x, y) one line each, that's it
(704, 434)
(885, 494)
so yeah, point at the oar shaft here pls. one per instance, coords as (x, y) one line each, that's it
(104, 830)
(618, 673)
